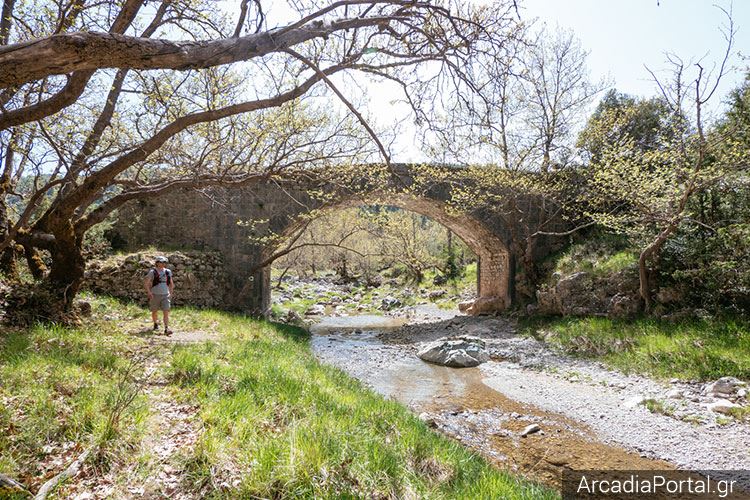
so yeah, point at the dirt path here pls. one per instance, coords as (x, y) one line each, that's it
(158, 466)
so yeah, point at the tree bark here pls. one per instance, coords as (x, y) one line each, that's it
(68, 264)
(88, 51)
(34, 260)
(648, 254)
(8, 259)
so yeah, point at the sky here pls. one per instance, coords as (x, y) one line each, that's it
(622, 37)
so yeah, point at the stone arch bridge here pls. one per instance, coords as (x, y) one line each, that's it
(231, 220)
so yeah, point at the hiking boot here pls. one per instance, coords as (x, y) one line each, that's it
(156, 326)
(167, 331)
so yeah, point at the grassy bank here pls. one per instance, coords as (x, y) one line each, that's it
(270, 421)
(692, 350)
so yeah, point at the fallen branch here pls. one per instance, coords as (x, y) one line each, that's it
(11, 486)
(70, 472)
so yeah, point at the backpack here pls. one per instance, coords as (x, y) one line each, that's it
(156, 276)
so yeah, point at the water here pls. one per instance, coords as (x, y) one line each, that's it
(463, 407)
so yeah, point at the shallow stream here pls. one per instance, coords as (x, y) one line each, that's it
(458, 403)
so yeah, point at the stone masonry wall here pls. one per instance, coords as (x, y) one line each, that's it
(200, 278)
(216, 219)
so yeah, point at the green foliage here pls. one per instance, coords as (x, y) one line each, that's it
(361, 242)
(599, 254)
(713, 269)
(60, 385)
(656, 406)
(622, 118)
(709, 257)
(701, 350)
(287, 426)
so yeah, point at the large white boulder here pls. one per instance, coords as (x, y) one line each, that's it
(457, 352)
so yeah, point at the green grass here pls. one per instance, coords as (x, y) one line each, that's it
(656, 406)
(61, 385)
(695, 350)
(290, 427)
(272, 421)
(598, 256)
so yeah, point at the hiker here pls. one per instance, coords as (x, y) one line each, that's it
(159, 287)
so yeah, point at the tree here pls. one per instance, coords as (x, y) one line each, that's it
(654, 180)
(164, 124)
(521, 105)
(619, 117)
(708, 259)
(365, 240)
(517, 118)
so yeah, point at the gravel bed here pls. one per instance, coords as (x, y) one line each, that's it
(683, 431)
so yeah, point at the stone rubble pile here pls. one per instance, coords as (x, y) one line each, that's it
(582, 294)
(201, 278)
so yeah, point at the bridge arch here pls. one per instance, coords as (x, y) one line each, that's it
(493, 269)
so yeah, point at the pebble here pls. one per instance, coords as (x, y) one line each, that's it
(674, 394)
(689, 444)
(530, 429)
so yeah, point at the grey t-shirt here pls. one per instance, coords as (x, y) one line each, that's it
(161, 288)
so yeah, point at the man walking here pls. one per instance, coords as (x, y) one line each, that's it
(159, 287)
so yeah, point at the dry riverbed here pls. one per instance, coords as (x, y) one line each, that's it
(588, 416)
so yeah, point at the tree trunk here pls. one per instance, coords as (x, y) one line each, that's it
(8, 259)
(36, 264)
(648, 253)
(68, 265)
(9, 254)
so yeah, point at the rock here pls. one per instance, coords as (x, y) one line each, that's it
(374, 281)
(292, 317)
(457, 352)
(675, 394)
(530, 429)
(622, 306)
(723, 406)
(485, 305)
(440, 279)
(436, 294)
(315, 310)
(669, 295)
(573, 292)
(465, 305)
(427, 419)
(724, 386)
(389, 303)
(558, 460)
(547, 301)
(634, 401)
(84, 308)
(581, 294)
(742, 393)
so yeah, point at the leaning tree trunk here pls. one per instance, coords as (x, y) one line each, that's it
(36, 265)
